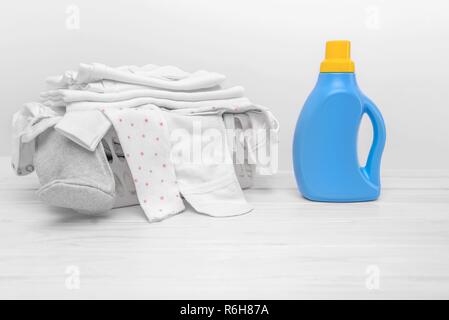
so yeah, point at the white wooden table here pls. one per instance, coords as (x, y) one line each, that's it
(397, 247)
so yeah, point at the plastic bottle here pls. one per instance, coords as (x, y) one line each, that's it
(325, 155)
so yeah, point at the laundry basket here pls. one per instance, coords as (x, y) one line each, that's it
(124, 185)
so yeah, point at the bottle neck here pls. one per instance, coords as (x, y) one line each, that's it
(347, 77)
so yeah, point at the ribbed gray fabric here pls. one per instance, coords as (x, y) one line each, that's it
(71, 176)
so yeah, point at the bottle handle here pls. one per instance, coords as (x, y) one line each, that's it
(372, 167)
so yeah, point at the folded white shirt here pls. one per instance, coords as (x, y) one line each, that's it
(66, 95)
(235, 105)
(107, 86)
(168, 79)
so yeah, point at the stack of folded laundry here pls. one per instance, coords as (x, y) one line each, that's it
(106, 137)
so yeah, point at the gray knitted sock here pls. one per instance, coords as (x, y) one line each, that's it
(71, 176)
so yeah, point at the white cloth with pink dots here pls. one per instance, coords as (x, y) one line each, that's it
(143, 135)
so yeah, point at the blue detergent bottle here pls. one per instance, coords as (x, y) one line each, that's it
(325, 155)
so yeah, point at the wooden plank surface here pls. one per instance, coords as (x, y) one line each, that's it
(397, 247)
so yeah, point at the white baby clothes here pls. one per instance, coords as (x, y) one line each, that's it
(203, 164)
(144, 139)
(85, 128)
(189, 107)
(168, 78)
(99, 87)
(101, 78)
(27, 124)
(60, 97)
(95, 95)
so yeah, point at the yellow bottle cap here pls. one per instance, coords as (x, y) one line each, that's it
(338, 57)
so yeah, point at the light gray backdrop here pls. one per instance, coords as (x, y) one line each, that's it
(272, 48)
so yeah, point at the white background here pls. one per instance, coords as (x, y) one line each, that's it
(272, 48)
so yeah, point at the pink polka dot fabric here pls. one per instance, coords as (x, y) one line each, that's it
(144, 138)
